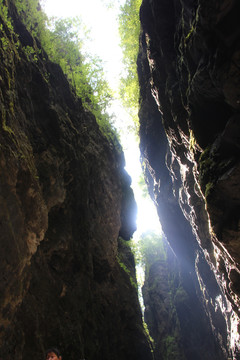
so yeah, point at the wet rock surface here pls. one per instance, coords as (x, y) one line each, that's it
(189, 64)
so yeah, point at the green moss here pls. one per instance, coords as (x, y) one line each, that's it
(181, 296)
(31, 53)
(127, 271)
(193, 27)
(4, 14)
(5, 43)
(5, 127)
(190, 33)
(11, 105)
(208, 189)
(171, 348)
(148, 336)
(206, 169)
(192, 142)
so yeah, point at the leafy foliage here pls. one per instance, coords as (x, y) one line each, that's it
(61, 40)
(149, 248)
(4, 14)
(32, 16)
(129, 29)
(63, 45)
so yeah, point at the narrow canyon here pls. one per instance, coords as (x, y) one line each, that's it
(67, 209)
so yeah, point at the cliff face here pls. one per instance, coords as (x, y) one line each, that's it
(64, 195)
(189, 75)
(174, 313)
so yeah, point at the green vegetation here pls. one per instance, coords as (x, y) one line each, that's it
(4, 15)
(85, 73)
(192, 142)
(6, 26)
(9, 53)
(181, 296)
(142, 185)
(148, 336)
(32, 16)
(127, 271)
(30, 53)
(163, 287)
(207, 172)
(149, 248)
(61, 41)
(121, 258)
(129, 29)
(171, 348)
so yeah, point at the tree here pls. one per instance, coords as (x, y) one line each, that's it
(60, 38)
(129, 30)
(149, 248)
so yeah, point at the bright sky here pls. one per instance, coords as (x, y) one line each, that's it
(103, 23)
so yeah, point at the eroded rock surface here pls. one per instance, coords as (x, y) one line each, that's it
(63, 198)
(189, 64)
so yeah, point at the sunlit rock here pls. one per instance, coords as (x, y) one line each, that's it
(189, 64)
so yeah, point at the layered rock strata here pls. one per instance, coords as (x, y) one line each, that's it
(189, 64)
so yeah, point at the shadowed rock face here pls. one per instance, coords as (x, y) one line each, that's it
(64, 196)
(189, 64)
(173, 310)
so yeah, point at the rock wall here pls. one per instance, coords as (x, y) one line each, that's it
(64, 195)
(189, 65)
(174, 313)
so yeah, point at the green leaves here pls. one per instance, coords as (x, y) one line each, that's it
(149, 248)
(63, 39)
(129, 30)
(32, 16)
(85, 72)
(4, 11)
(30, 53)
(5, 17)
